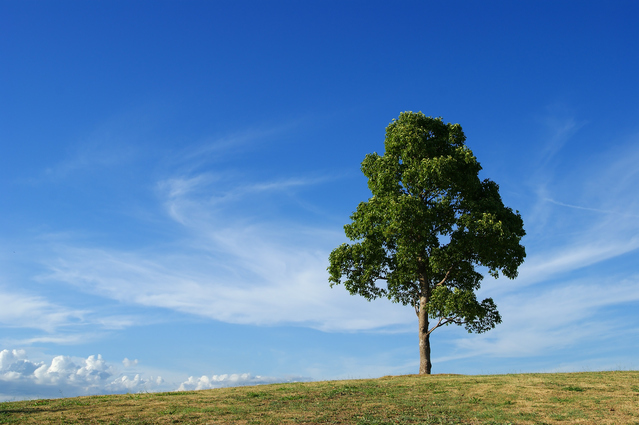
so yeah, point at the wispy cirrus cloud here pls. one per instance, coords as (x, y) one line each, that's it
(275, 288)
(37, 315)
(205, 197)
(230, 264)
(583, 209)
(31, 311)
(213, 149)
(630, 214)
(541, 320)
(233, 262)
(580, 275)
(237, 266)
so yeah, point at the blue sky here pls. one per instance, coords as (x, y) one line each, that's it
(174, 175)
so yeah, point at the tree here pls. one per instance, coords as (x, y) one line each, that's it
(429, 224)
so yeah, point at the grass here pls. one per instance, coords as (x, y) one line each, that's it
(563, 398)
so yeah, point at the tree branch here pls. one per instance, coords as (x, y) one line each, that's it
(445, 277)
(439, 323)
(443, 321)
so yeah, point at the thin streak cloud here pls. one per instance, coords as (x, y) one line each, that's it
(562, 204)
(29, 311)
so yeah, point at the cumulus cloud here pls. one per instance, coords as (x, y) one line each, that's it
(65, 376)
(233, 380)
(129, 363)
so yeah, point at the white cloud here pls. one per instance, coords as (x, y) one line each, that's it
(561, 260)
(279, 286)
(237, 267)
(71, 338)
(232, 380)
(65, 376)
(229, 266)
(589, 229)
(582, 219)
(561, 130)
(214, 149)
(29, 311)
(234, 265)
(129, 363)
(51, 322)
(537, 322)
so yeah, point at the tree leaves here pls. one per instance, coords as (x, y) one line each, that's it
(430, 222)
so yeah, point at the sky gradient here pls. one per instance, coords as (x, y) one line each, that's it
(174, 175)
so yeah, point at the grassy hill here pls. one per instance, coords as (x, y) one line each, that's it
(561, 398)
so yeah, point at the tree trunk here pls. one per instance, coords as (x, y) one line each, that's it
(424, 338)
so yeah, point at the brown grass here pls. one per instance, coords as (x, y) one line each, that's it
(564, 398)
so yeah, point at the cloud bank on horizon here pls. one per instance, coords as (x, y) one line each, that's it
(175, 204)
(67, 376)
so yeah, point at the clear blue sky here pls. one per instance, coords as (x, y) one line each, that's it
(174, 175)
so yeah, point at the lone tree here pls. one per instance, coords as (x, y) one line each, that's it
(430, 222)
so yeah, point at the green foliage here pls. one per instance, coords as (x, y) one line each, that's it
(429, 224)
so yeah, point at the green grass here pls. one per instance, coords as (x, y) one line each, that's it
(578, 398)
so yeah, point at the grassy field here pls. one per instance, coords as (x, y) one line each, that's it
(563, 398)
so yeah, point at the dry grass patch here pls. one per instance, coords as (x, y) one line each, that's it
(577, 398)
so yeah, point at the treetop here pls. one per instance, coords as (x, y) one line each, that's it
(430, 222)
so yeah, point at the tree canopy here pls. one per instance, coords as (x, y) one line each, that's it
(430, 223)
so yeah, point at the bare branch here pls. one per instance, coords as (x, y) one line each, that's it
(445, 320)
(439, 323)
(445, 277)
